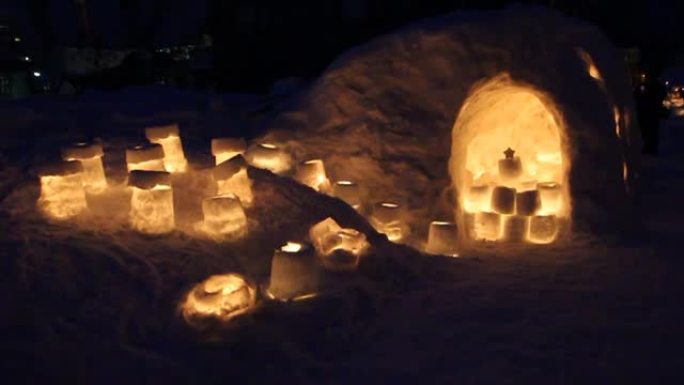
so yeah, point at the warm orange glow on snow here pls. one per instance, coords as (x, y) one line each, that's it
(224, 217)
(151, 202)
(90, 156)
(509, 137)
(61, 190)
(169, 138)
(442, 239)
(312, 173)
(220, 297)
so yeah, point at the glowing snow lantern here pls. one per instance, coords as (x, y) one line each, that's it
(218, 298)
(487, 226)
(348, 191)
(225, 148)
(478, 199)
(270, 157)
(90, 157)
(312, 174)
(515, 228)
(543, 229)
(294, 274)
(224, 217)
(338, 248)
(169, 138)
(551, 197)
(147, 157)
(442, 239)
(231, 178)
(503, 200)
(151, 202)
(388, 218)
(61, 190)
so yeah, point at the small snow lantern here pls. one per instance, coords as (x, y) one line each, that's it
(312, 173)
(90, 156)
(543, 229)
(388, 218)
(486, 226)
(147, 157)
(348, 191)
(442, 239)
(515, 228)
(478, 199)
(225, 148)
(294, 274)
(169, 138)
(224, 217)
(231, 178)
(338, 248)
(151, 202)
(270, 157)
(220, 298)
(62, 195)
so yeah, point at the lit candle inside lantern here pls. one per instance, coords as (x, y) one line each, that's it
(442, 239)
(169, 138)
(551, 198)
(478, 199)
(294, 274)
(225, 148)
(349, 192)
(543, 229)
(312, 174)
(224, 217)
(231, 178)
(219, 297)
(61, 190)
(90, 156)
(388, 218)
(270, 157)
(338, 248)
(151, 202)
(147, 157)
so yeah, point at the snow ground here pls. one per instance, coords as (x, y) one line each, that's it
(87, 305)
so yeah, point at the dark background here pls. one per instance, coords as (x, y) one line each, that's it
(256, 42)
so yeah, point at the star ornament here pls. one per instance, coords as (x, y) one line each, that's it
(509, 153)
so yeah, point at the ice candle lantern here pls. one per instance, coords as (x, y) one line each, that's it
(219, 297)
(225, 148)
(224, 217)
(169, 138)
(294, 274)
(90, 157)
(231, 178)
(338, 248)
(348, 191)
(312, 173)
(147, 157)
(270, 157)
(151, 202)
(442, 239)
(388, 218)
(61, 190)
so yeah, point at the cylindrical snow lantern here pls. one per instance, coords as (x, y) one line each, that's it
(348, 191)
(442, 239)
(294, 273)
(225, 148)
(169, 138)
(224, 217)
(312, 173)
(231, 178)
(62, 195)
(90, 156)
(270, 157)
(146, 157)
(151, 202)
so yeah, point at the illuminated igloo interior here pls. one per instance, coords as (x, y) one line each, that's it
(425, 117)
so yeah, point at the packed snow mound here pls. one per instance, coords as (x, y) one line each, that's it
(384, 113)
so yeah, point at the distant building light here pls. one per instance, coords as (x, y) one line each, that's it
(17, 39)
(26, 58)
(36, 74)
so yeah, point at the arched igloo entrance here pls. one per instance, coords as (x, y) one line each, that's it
(510, 165)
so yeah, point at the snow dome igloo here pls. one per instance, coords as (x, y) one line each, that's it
(517, 124)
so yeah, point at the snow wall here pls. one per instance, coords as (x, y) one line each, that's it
(383, 113)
